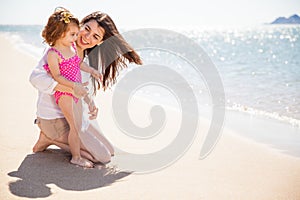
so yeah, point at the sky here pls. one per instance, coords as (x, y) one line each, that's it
(155, 13)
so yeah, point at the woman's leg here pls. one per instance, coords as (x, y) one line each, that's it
(66, 105)
(95, 147)
(42, 143)
(96, 132)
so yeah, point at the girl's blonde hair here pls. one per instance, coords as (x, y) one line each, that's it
(58, 25)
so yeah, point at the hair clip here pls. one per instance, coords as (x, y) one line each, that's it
(66, 16)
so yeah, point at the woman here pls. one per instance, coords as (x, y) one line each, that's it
(109, 58)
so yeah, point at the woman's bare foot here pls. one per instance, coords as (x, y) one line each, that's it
(42, 143)
(82, 162)
(100, 166)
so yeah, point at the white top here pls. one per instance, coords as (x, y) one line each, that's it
(41, 80)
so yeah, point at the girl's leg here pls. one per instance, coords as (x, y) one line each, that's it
(62, 142)
(66, 105)
(66, 147)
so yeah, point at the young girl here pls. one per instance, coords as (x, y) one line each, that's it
(64, 65)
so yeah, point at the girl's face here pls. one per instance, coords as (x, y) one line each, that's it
(90, 34)
(70, 36)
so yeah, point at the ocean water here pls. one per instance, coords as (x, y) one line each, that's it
(25, 37)
(259, 67)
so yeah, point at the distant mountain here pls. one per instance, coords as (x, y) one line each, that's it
(294, 19)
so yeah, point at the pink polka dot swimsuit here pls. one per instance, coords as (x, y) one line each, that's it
(70, 69)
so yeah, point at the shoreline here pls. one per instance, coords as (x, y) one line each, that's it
(237, 168)
(278, 135)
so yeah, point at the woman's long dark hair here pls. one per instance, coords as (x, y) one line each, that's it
(111, 56)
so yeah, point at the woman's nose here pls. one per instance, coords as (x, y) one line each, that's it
(88, 35)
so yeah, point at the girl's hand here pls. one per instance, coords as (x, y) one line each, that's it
(93, 110)
(94, 114)
(96, 74)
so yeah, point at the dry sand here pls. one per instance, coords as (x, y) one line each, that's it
(238, 168)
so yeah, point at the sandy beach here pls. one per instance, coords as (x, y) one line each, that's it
(237, 168)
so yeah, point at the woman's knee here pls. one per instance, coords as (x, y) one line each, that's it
(107, 158)
(104, 157)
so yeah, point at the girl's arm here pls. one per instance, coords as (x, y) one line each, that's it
(88, 100)
(44, 82)
(53, 62)
(86, 68)
(92, 107)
